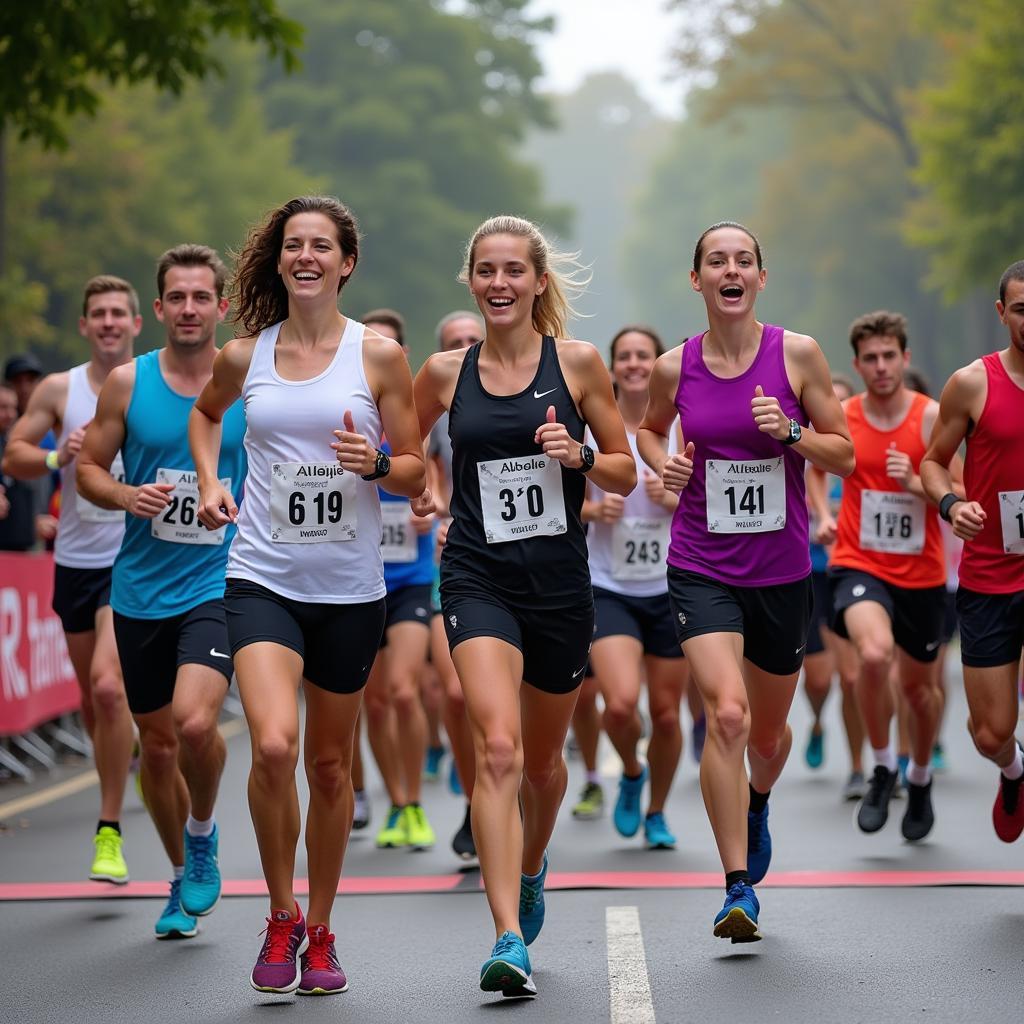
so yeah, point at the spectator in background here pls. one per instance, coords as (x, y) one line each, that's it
(16, 497)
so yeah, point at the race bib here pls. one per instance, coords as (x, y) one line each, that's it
(1011, 516)
(311, 503)
(639, 546)
(745, 496)
(399, 541)
(90, 513)
(521, 498)
(892, 522)
(179, 523)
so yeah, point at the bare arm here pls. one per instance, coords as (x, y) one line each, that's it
(23, 458)
(652, 437)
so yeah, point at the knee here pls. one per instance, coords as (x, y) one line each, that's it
(764, 747)
(502, 758)
(876, 656)
(329, 774)
(920, 695)
(197, 730)
(107, 692)
(543, 774)
(275, 755)
(665, 720)
(619, 714)
(158, 752)
(405, 698)
(455, 704)
(986, 739)
(376, 706)
(848, 685)
(729, 722)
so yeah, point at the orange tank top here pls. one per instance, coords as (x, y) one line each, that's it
(884, 530)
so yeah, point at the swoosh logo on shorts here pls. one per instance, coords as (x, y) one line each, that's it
(216, 654)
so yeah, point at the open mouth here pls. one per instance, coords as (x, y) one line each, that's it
(306, 275)
(500, 303)
(731, 291)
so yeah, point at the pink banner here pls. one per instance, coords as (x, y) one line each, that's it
(37, 682)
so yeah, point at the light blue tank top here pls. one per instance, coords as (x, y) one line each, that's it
(156, 577)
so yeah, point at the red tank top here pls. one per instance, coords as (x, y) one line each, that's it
(993, 562)
(884, 530)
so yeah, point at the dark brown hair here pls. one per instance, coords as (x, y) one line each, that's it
(188, 255)
(650, 332)
(881, 324)
(258, 294)
(103, 283)
(698, 255)
(392, 318)
(1014, 272)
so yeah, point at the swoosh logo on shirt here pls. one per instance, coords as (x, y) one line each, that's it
(541, 394)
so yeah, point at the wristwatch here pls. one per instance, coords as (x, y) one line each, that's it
(381, 467)
(794, 435)
(587, 455)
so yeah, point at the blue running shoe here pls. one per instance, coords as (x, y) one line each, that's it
(454, 782)
(737, 920)
(903, 760)
(815, 752)
(432, 765)
(531, 903)
(657, 833)
(174, 923)
(507, 970)
(759, 845)
(627, 816)
(200, 888)
(939, 762)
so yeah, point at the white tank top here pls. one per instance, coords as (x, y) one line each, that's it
(88, 537)
(628, 557)
(307, 529)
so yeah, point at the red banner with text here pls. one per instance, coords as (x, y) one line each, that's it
(37, 681)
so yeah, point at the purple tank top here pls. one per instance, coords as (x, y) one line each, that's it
(745, 484)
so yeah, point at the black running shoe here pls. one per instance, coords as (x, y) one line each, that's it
(463, 843)
(919, 818)
(874, 808)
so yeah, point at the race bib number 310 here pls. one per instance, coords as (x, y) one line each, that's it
(745, 495)
(892, 522)
(521, 498)
(311, 503)
(1011, 517)
(179, 523)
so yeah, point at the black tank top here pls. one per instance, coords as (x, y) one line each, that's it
(503, 486)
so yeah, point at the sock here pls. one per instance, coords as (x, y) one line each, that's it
(594, 778)
(200, 828)
(179, 872)
(1015, 769)
(732, 877)
(115, 825)
(918, 775)
(533, 878)
(758, 801)
(886, 757)
(633, 778)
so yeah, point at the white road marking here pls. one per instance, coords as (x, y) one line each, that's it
(630, 987)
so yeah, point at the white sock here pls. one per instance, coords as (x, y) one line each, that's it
(594, 778)
(179, 872)
(918, 774)
(1015, 769)
(886, 757)
(199, 828)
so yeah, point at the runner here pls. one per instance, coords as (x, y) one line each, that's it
(743, 391)
(88, 540)
(515, 587)
(168, 579)
(633, 635)
(983, 404)
(887, 570)
(305, 586)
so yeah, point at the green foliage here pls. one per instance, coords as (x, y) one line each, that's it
(54, 54)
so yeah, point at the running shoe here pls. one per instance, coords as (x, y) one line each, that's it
(814, 755)
(590, 804)
(939, 762)
(277, 968)
(759, 845)
(417, 828)
(463, 843)
(855, 787)
(627, 816)
(200, 888)
(903, 761)
(919, 816)
(657, 834)
(531, 903)
(108, 864)
(454, 782)
(507, 970)
(393, 832)
(698, 735)
(873, 812)
(1008, 810)
(321, 973)
(360, 810)
(432, 766)
(174, 923)
(737, 920)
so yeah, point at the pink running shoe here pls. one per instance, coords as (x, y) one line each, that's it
(321, 973)
(277, 969)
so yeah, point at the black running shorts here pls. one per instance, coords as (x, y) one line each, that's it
(772, 620)
(916, 615)
(78, 594)
(337, 642)
(407, 604)
(152, 650)
(646, 619)
(991, 628)
(821, 614)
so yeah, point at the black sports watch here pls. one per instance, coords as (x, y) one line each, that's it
(587, 455)
(381, 467)
(794, 435)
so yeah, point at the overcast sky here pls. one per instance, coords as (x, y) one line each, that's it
(631, 36)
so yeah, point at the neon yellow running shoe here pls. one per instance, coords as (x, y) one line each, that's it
(393, 832)
(108, 865)
(417, 828)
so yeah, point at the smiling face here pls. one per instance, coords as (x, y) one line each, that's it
(503, 280)
(729, 277)
(109, 325)
(633, 361)
(312, 264)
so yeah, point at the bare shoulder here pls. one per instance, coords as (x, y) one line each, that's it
(381, 352)
(578, 356)
(800, 347)
(51, 394)
(117, 389)
(968, 382)
(444, 367)
(669, 364)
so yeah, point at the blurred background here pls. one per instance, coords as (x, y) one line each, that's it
(875, 146)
